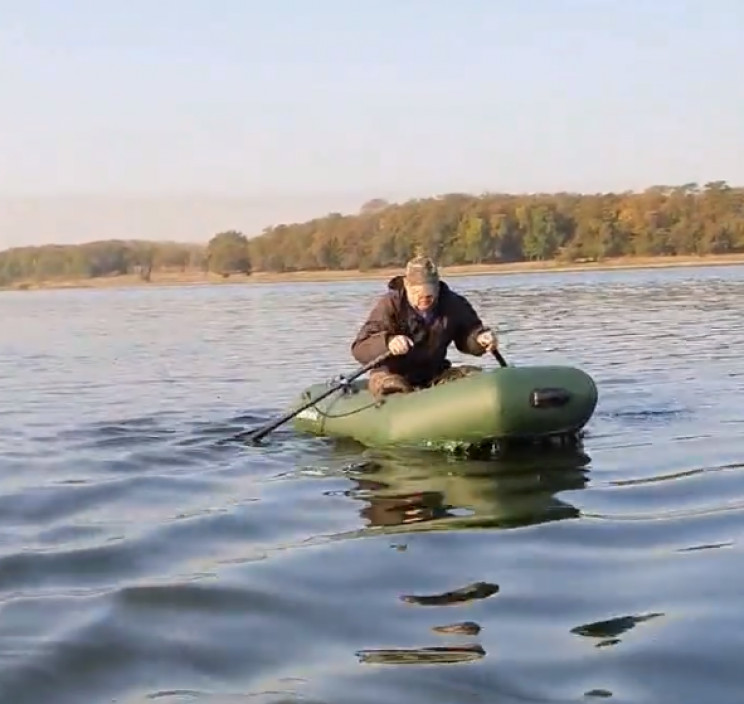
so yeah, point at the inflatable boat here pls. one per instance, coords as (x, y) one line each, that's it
(509, 403)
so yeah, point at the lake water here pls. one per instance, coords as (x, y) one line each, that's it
(144, 560)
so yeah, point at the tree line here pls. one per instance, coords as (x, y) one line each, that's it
(496, 228)
(454, 228)
(226, 253)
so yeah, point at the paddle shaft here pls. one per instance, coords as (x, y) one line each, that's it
(498, 356)
(257, 435)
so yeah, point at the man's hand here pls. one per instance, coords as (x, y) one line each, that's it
(487, 340)
(400, 344)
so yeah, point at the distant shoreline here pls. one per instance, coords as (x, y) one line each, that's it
(190, 278)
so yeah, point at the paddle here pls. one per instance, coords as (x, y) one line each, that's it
(498, 356)
(256, 435)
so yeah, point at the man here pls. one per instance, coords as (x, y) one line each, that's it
(416, 320)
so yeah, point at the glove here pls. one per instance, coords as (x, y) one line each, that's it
(400, 344)
(487, 340)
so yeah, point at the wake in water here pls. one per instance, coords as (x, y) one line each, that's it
(168, 428)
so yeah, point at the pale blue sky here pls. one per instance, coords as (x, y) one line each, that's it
(340, 101)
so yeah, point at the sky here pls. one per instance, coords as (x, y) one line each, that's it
(178, 118)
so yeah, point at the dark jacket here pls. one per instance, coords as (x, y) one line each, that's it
(455, 320)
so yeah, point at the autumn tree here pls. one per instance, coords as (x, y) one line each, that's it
(228, 253)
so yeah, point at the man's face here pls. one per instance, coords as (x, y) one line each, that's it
(423, 296)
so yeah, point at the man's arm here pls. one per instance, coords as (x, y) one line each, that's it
(373, 337)
(469, 327)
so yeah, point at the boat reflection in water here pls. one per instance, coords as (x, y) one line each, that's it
(413, 491)
(417, 490)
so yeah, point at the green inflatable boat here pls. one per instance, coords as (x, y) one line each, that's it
(485, 407)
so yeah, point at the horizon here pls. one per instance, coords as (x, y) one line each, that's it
(177, 121)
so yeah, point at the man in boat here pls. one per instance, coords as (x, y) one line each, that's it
(416, 320)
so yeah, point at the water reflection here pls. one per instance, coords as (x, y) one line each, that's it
(418, 491)
(608, 632)
(436, 655)
(413, 491)
(478, 590)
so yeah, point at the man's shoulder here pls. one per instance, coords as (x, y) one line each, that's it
(389, 300)
(391, 295)
(453, 296)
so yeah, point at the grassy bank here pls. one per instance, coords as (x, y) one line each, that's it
(202, 278)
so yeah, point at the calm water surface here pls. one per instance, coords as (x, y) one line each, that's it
(144, 560)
